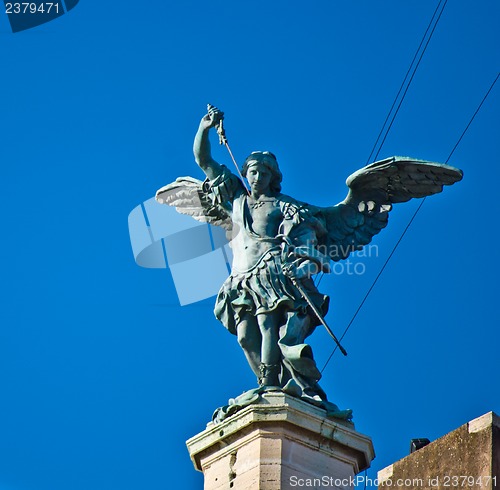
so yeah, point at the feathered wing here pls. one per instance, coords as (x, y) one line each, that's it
(352, 223)
(187, 195)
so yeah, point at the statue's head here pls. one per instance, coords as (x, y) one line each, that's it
(267, 159)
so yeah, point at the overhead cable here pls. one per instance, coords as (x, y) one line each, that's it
(409, 224)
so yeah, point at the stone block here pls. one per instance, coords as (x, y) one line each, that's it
(467, 458)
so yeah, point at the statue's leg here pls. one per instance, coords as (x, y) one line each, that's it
(250, 340)
(270, 367)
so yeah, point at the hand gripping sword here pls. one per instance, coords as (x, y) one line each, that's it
(223, 141)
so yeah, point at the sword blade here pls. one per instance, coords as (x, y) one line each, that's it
(317, 313)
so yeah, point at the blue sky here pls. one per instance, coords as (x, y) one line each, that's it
(103, 376)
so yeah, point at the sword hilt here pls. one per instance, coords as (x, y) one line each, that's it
(219, 125)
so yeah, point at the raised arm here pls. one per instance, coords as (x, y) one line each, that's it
(201, 145)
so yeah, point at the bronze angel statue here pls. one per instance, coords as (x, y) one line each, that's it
(270, 301)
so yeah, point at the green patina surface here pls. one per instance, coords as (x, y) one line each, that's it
(270, 301)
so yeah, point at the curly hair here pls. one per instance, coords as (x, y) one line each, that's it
(269, 160)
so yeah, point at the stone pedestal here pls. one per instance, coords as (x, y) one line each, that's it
(278, 444)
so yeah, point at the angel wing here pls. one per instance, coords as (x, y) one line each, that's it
(187, 195)
(373, 189)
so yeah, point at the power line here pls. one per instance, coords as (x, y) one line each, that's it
(409, 224)
(412, 75)
(374, 282)
(401, 88)
(403, 82)
(474, 115)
